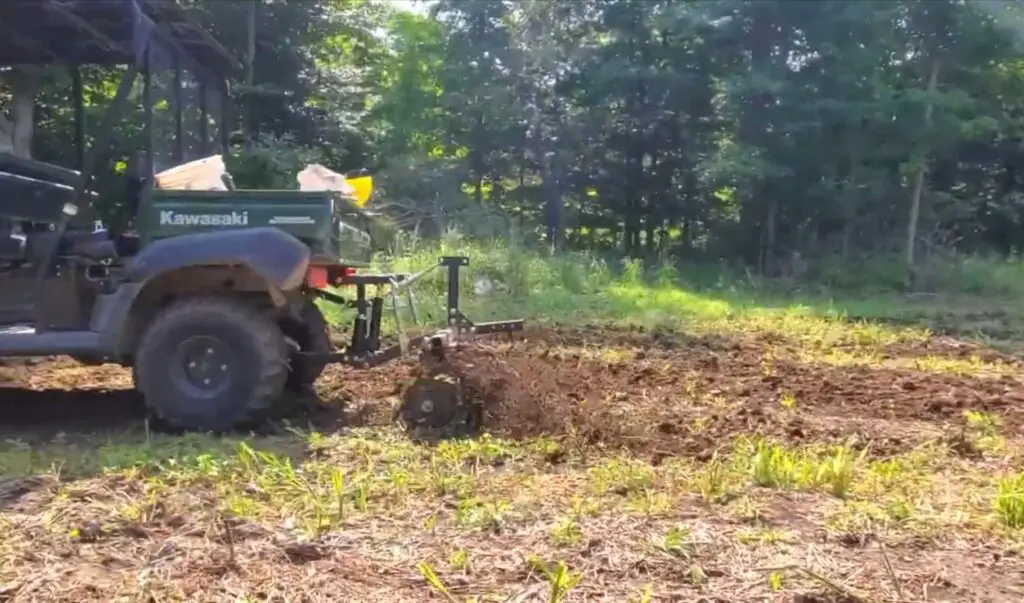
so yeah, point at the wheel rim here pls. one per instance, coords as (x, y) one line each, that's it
(202, 367)
(431, 403)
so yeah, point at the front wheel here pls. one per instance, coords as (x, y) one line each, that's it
(211, 364)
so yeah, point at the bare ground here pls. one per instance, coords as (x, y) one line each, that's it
(636, 420)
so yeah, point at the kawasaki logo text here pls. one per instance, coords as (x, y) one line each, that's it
(235, 218)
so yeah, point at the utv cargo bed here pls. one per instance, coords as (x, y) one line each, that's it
(325, 220)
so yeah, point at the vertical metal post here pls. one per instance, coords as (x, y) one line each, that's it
(453, 293)
(179, 123)
(376, 312)
(147, 102)
(113, 113)
(452, 264)
(361, 322)
(77, 93)
(204, 125)
(225, 121)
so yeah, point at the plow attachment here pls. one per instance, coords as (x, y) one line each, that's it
(434, 400)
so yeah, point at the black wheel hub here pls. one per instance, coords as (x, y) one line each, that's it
(203, 365)
(435, 404)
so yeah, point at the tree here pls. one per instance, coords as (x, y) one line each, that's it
(755, 132)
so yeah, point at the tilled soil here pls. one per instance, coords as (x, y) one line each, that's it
(671, 395)
(648, 392)
(657, 395)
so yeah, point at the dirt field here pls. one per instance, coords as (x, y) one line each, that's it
(651, 466)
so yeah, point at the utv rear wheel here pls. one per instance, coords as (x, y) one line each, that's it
(312, 333)
(211, 364)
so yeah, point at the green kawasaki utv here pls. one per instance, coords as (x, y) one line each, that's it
(207, 292)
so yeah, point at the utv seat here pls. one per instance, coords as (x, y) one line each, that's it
(104, 247)
(13, 247)
(96, 246)
(33, 199)
(37, 192)
(37, 170)
(113, 243)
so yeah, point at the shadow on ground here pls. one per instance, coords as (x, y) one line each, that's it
(79, 433)
(41, 415)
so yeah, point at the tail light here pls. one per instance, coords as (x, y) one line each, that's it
(316, 277)
(321, 277)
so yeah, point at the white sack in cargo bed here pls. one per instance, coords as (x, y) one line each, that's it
(316, 177)
(200, 175)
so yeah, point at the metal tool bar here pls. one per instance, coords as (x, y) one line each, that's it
(364, 351)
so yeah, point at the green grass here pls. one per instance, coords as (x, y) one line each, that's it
(581, 287)
(365, 513)
(459, 500)
(574, 289)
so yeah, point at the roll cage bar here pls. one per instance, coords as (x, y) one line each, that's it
(144, 35)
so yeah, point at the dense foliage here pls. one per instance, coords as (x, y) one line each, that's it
(767, 132)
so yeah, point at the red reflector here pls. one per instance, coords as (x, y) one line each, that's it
(316, 277)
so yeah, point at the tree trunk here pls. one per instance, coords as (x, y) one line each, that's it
(756, 113)
(16, 128)
(851, 201)
(768, 266)
(249, 126)
(915, 199)
(478, 158)
(250, 42)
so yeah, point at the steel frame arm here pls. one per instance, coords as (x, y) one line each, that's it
(364, 350)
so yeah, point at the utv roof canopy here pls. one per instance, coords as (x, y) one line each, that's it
(183, 102)
(105, 32)
(184, 97)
